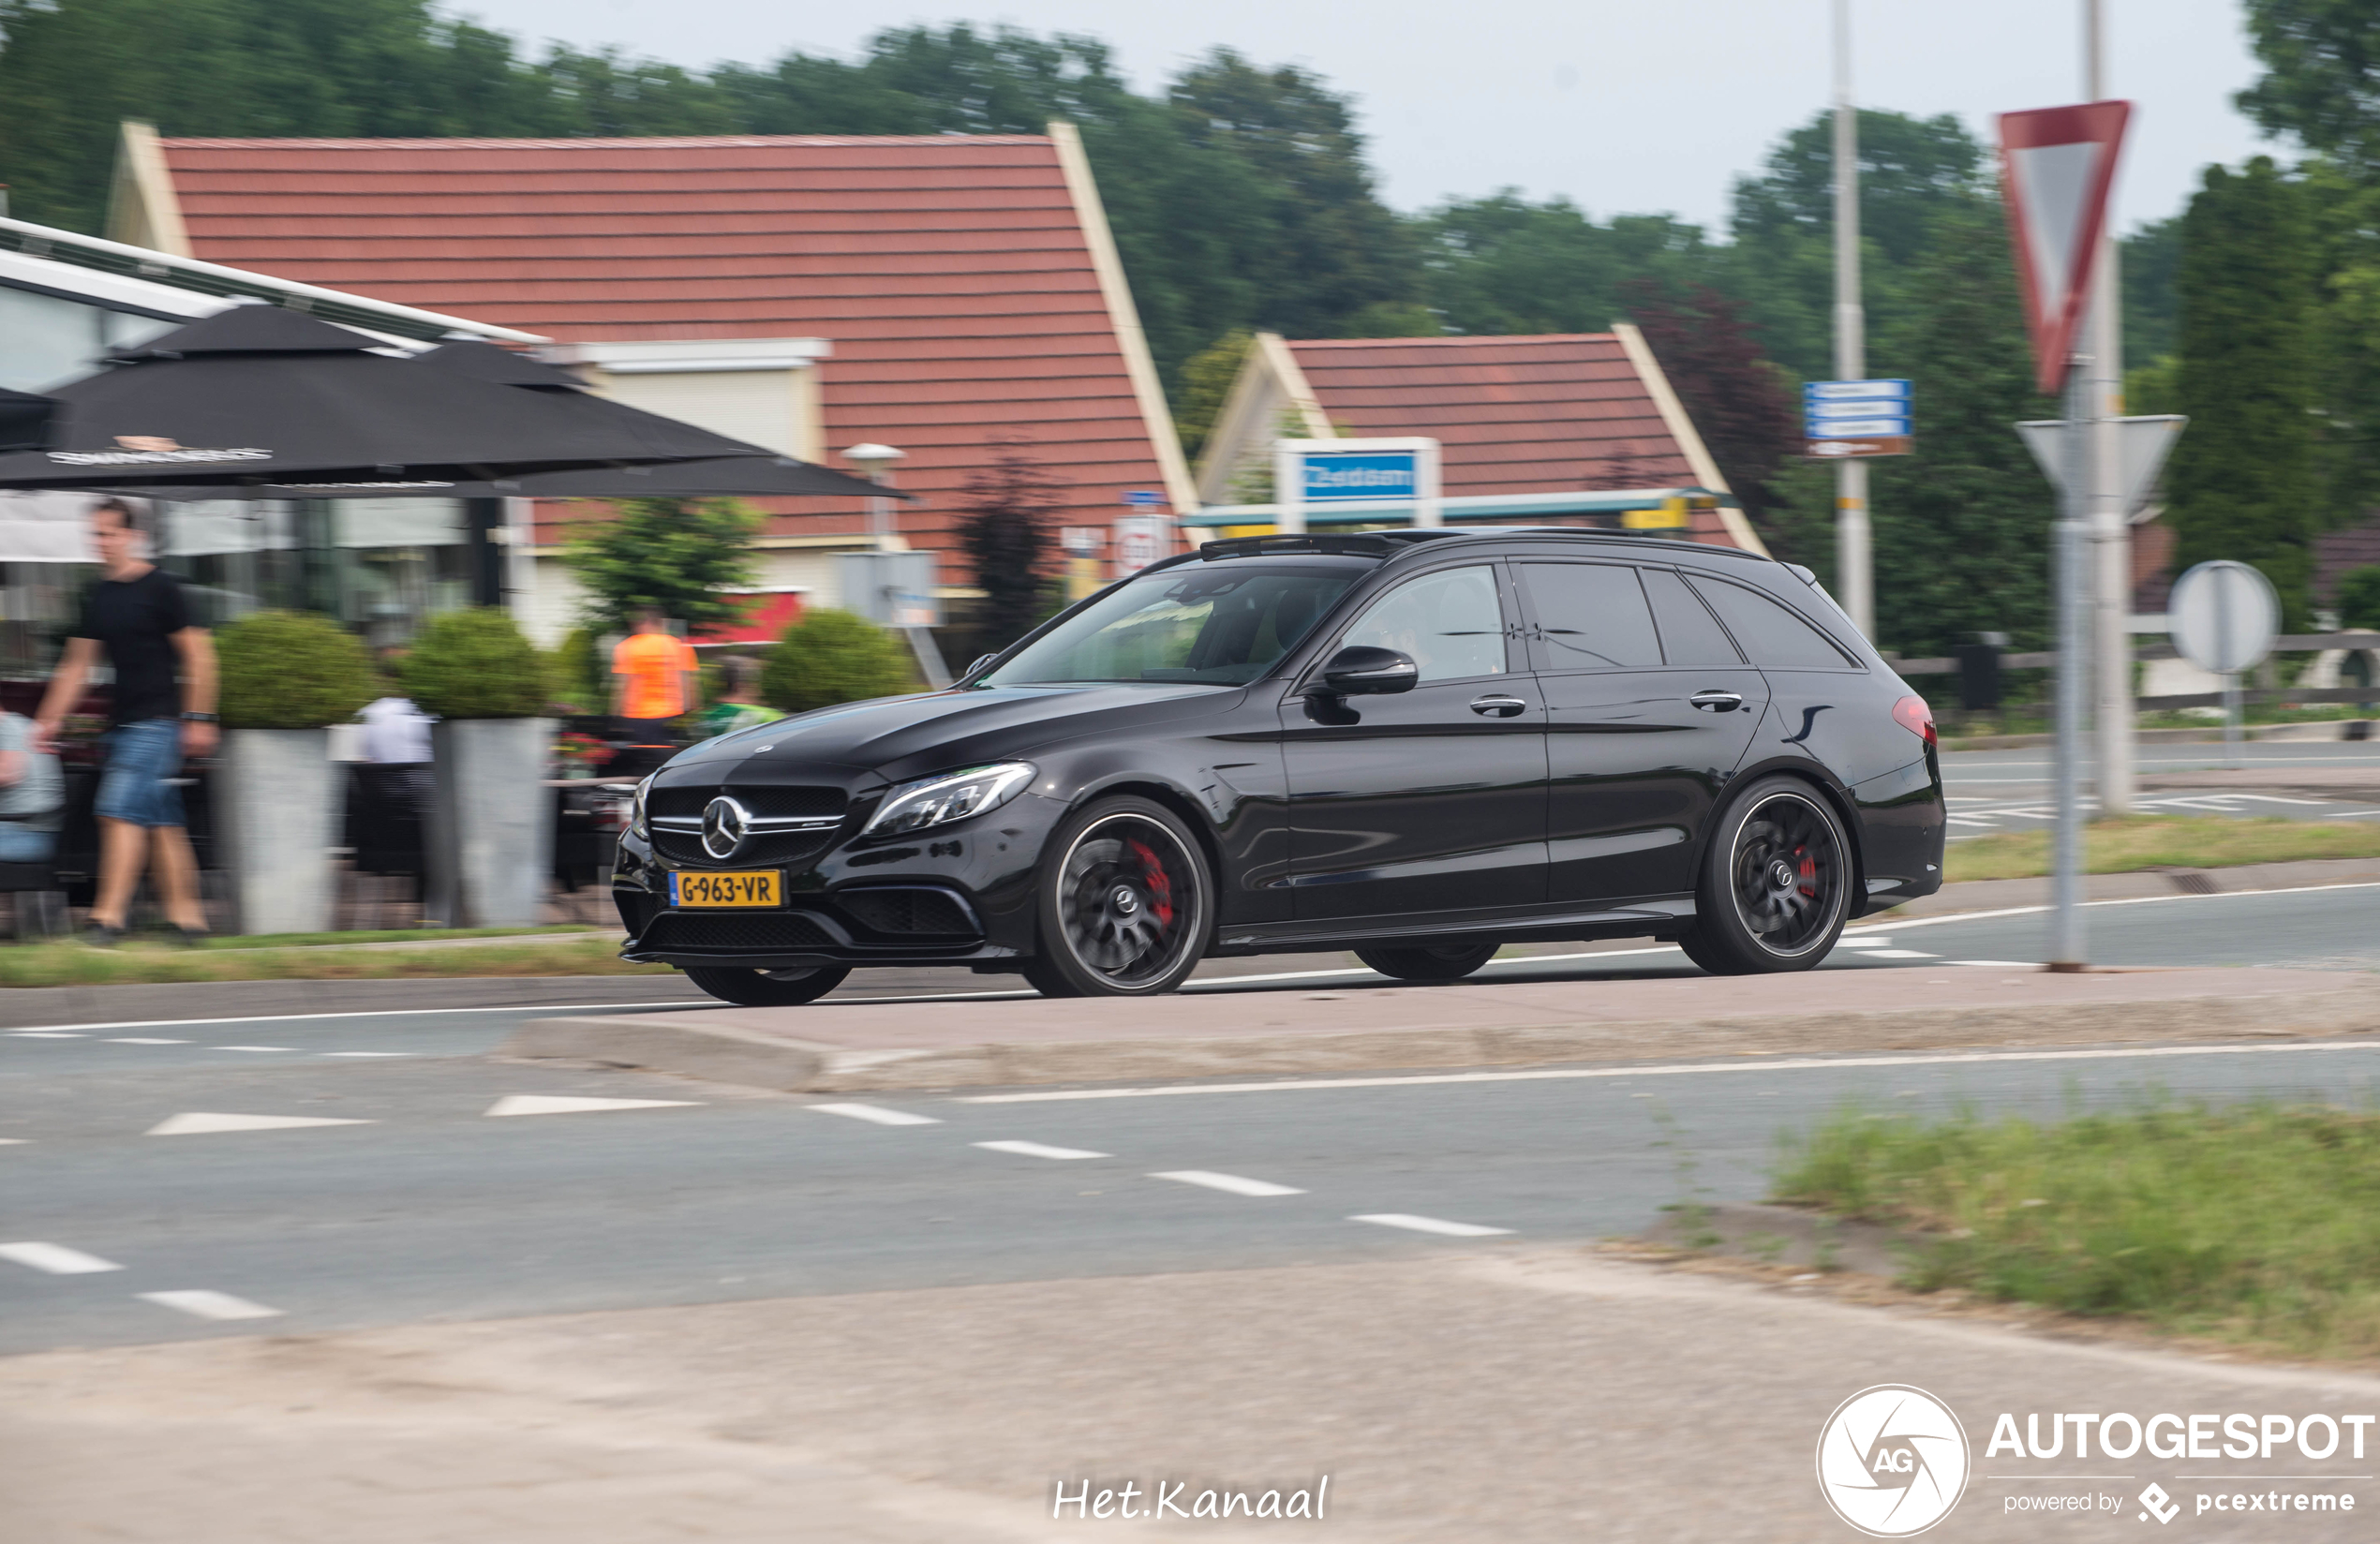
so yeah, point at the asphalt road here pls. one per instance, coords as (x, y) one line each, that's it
(428, 1203)
(1998, 791)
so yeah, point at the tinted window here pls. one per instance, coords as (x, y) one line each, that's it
(1689, 636)
(1592, 616)
(1769, 632)
(1451, 622)
(1223, 626)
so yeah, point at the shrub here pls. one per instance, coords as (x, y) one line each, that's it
(2359, 598)
(291, 669)
(831, 657)
(474, 664)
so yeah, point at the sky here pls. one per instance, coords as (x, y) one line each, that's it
(1623, 107)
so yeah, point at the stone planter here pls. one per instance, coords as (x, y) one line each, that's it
(490, 832)
(276, 807)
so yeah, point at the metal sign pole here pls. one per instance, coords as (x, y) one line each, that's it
(1854, 559)
(2072, 576)
(2228, 646)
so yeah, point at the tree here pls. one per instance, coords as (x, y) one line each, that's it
(1502, 264)
(2322, 75)
(1005, 531)
(1206, 383)
(2244, 483)
(678, 554)
(831, 657)
(1741, 403)
(2358, 597)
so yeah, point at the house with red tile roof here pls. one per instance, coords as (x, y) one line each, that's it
(1573, 428)
(948, 295)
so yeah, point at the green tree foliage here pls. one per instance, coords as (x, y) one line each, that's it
(2322, 75)
(474, 664)
(675, 554)
(2149, 259)
(2358, 597)
(1743, 406)
(831, 657)
(291, 669)
(1502, 264)
(2244, 483)
(1206, 383)
(1004, 529)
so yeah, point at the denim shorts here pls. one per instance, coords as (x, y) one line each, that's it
(141, 757)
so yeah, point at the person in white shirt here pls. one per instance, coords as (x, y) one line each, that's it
(395, 733)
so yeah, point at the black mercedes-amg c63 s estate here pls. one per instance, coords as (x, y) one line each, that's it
(1417, 745)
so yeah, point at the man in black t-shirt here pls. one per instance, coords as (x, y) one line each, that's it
(163, 708)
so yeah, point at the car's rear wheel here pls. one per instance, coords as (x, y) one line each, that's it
(1776, 883)
(756, 989)
(1124, 904)
(1433, 962)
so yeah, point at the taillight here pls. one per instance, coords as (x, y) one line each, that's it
(1913, 714)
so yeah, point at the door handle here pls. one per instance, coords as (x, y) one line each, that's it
(1717, 702)
(1498, 707)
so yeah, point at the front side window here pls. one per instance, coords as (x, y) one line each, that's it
(1212, 626)
(1451, 622)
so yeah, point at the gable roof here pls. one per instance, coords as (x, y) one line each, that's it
(967, 283)
(1530, 414)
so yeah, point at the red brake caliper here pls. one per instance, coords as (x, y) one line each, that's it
(1157, 881)
(1809, 872)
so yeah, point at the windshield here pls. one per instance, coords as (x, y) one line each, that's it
(1222, 625)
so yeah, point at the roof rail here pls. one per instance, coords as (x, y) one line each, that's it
(1356, 545)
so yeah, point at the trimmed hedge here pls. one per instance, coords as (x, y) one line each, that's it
(474, 664)
(831, 657)
(291, 669)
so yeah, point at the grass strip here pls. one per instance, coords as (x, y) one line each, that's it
(78, 965)
(2256, 1222)
(2165, 841)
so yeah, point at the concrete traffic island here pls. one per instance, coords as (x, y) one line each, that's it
(832, 1048)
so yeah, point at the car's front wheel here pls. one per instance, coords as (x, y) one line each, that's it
(1125, 902)
(768, 988)
(1441, 963)
(1776, 883)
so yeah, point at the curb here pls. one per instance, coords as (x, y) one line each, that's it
(726, 1055)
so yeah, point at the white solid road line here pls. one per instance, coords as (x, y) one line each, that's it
(144, 1039)
(1042, 1150)
(362, 1013)
(46, 1034)
(1688, 1070)
(212, 1305)
(1231, 1182)
(354, 1053)
(274, 1049)
(543, 1104)
(1896, 954)
(877, 1113)
(1428, 1225)
(57, 1259)
(204, 1123)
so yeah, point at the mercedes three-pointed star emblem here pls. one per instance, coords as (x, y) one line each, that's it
(725, 823)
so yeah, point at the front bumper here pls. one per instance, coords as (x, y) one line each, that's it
(955, 895)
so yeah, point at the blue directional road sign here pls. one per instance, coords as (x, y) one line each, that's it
(1856, 418)
(1333, 478)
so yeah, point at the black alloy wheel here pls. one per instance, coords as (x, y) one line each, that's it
(1776, 883)
(1430, 962)
(1124, 905)
(756, 989)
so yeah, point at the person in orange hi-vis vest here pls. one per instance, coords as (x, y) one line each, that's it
(654, 672)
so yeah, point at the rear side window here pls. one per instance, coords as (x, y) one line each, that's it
(1689, 636)
(1772, 634)
(1591, 615)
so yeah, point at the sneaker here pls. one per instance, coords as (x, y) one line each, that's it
(98, 935)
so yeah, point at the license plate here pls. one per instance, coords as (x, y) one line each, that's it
(761, 888)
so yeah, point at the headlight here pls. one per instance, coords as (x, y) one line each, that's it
(636, 810)
(956, 795)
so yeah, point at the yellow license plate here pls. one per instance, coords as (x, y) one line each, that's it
(761, 888)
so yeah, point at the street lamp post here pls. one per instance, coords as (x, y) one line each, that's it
(1854, 560)
(875, 463)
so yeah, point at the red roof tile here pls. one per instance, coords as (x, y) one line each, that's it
(950, 273)
(1537, 414)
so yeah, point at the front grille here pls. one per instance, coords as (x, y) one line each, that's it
(726, 934)
(760, 850)
(762, 802)
(909, 912)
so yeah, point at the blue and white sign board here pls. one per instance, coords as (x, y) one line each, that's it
(1400, 476)
(1139, 497)
(1857, 417)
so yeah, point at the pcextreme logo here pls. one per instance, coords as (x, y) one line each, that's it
(1892, 1460)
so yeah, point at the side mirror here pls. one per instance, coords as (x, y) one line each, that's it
(981, 661)
(1363, 671)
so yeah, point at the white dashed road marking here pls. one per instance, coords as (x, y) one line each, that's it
(1042, 1150)
(364, 1053)
(1231, 1182)
(280, 1048)
(202, 1122)
(1428, 1225)
(143, 1040)
(45, 1034)
(542, 1103)
(1897, 954)
(57, 1259)
(204, 1304)
(877, 1113)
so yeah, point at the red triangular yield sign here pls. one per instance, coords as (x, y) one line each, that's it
(2056, 165)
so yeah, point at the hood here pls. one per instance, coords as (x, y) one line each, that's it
(904, 737)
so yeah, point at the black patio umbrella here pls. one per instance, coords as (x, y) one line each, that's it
(751, 470)
(256, 394)
(26, 422)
